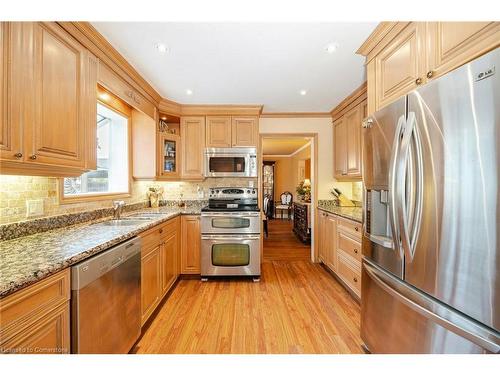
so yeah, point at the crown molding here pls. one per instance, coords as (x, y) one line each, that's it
(308, 144)
(356, 97)
(294, 114)
(218, 110)
(90, 38)
(384, 31)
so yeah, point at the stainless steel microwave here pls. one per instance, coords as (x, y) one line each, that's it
(231, 162)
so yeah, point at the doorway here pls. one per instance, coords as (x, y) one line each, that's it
(288, 192)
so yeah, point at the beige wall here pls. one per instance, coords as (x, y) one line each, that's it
(16, 190)
(323, 127)
(286, 171)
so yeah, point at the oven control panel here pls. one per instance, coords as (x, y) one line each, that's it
(229, 193)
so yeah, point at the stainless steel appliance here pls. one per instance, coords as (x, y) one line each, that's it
(106, 300)
(430, 278)
(230, 233)
(231, 162)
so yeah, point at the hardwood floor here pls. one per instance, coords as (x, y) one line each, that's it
(297, 307)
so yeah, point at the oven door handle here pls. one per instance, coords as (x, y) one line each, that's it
(219, 237)
(231, 214)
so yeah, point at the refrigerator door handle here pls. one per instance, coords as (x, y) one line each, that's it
(409, 235)
(454, 321)
(393, 179)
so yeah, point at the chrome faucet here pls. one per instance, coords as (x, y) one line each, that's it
(117, 207)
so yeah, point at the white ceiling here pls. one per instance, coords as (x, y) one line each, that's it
(246, 63)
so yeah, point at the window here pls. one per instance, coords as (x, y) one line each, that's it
(112, 174)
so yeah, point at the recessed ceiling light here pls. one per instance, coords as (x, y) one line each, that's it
(189, 92)
(162, 48)
(303, 92)
(332, 47)
(163, 118)
(104, 95)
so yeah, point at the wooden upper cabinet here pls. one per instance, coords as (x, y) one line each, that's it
(402, 55)
(245, 131)
(340, 148)
(218, 131)
(48, 99)
(452, 44)
(190, 244)
(400, 65)
(193, 145)
(353, 120)
(58, 123)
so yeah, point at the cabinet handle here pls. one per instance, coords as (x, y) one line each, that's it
(418, 81)
(18, 155)
(161, 231)
(33, 157)
(355, 251)
(356, 229)
(430, 73)
(355, 279)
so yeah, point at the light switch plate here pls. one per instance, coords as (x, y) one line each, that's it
(34, 207)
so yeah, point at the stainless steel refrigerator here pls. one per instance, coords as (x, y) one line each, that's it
(431, 171)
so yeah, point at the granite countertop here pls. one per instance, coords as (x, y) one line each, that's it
(351, 213)
(26, 260)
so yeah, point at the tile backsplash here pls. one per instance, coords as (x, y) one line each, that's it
(15, 191)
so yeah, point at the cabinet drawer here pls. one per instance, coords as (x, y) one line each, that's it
(26, 306)
(349, 245)
(170, 227)
(348, 272)
(150, 239)
(351, 227)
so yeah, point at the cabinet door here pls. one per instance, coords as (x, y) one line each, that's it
(48, 335)
(218, 131)
(55, 134)
(245, 131)
(190, 245)
(452, 44)
(400, 66)
(331, 240)
(150, 282)
(169, 262)
(169, 160)
(321, 234)
(12, 84)
(340, 148)
(193, 144)
(353, 125)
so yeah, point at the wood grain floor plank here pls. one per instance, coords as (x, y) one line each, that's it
(297, 307)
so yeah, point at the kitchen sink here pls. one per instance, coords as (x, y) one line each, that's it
(146, 215)
(123, 222)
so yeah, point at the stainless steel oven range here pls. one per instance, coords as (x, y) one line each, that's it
(230, 233)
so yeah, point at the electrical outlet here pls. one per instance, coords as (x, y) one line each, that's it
(250, 184)
(34, 207)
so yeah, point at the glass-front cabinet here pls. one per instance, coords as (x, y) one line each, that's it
(169, 155)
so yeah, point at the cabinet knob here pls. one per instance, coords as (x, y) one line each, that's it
(356, 229)
(355, 251)
(161, 231)
(33, 157)
(18, 155)
(355, 279)
(418, 81)
(430, 73)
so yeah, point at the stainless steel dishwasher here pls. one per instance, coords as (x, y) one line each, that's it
(106, 300)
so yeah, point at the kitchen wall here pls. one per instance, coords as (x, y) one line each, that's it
(286, 170)
(322, 126)
(16, 190)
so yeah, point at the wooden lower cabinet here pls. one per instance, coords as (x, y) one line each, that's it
(191, 245)
(159, 264)
(340, 249)
(36, 320)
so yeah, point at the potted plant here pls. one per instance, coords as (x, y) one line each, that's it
(304, 190)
